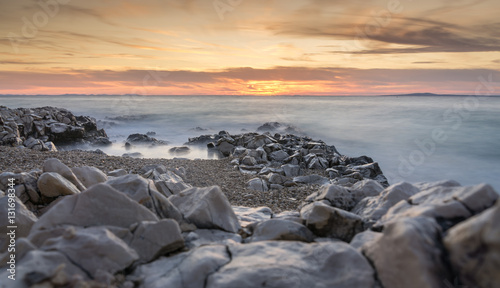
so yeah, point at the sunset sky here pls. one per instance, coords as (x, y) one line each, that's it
(248, 47)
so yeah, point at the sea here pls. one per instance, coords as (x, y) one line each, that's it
(413, 138)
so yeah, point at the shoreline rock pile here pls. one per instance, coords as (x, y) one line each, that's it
(153, 230)
(43, 128)
(280, 161)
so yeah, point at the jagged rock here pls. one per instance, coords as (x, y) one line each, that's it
(186, 270)
(408, 254)
(365, 188)
(474, 249)
(89, 175)
(52, 184)
(24, 220)
(293, 264)
(55, 165)
(258, 184)
(327, 221)
(247, 215)
(143, 139)
(279, 155)
(279, 229)
(225, 148)
(291, 170)
(144, 192)
(338, 196)
(169, 183)
(152, 239)
(201, 237)
(100, 205)
(206, 208)
(311, 179)
(93, 249)
(448, 205)
(373, 208)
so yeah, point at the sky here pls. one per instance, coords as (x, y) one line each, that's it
(249, 47)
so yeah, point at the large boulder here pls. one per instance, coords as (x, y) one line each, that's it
(338, 196)
(52, 184)
(365, 188)
(474, 249)
(279, 229)
(409, 254)
(100, 205)
(293, 264)
(89, 175)
(55, 165)
(207, 208)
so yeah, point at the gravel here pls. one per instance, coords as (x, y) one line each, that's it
(199, 173)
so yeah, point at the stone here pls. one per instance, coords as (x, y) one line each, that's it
(93, 249)
(408, 254)
(311, 179)
(327, 221)
(275, 178)
(170, 183)
(117, 173)
(247, 215)
(279, 156)
(365, 188)
(291, 170)
(258, 184)
(100, 205)
(225, 148)
(52, 184)
(89, 175)
(186, 270)
(55, 165)
(144, 192)
(152, 239)
(279, 229)
(474, 249)
(207, 208)
(367, 237)
(51, 147)
(248, 161)
(201, 237)
(143, 139)
(373, 208)
(448, 205)
(24, 220)
(182, 150)
(338, 196)
(293, 264)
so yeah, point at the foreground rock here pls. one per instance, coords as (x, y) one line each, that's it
(41, 128)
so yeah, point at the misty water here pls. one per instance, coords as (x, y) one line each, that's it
(413, 138)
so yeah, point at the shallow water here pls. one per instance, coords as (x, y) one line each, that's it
(413, 138)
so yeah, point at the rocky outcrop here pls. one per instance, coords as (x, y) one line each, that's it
(41, 128)
(143, 139)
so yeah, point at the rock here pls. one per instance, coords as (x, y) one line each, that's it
(89, 175)
(327, 221)
(367, 237)
(179, 150)
(373, 208)
(318, 163)
(132, 155)
(257, 184)
(55, 165)
(24, 220)
(152, 239)
(144, 192)
(311, 179)
(186, 270)
(143, 139)
(117, 173)
(365, 188)
(201, 237)
(249, 161)
(225, 148)
(259, 141)
(408, 254)
(247, 215)
(448, 205)
(93, 249)
(259, 154)
(474, 249)
(279, 229)
(100, 205)
(291, 170)
(170, 183)
(338, 196)
(52, 184)
(279, 155)
(206, 208)
(275, 178)
(293, 264)
(51, 147)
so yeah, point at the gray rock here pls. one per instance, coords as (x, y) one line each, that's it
(291, 170)
(206, 208)
(327, 221)
(54, 165)
(201, 237)
(408, 254)
(258, 184)
(93, 249)
(365, 188)
(293, 264)
(117, 173)
(52, 184)
(474, 249)
(225, 148)
(170, 183)
(249, 161)
(89, 175)
(279, 156)
(100, 205)
(279, 229)
(275, 178)
(24, 220)
(247, 215)
(367, 237)
(185, 270)
(152, 239)
(259, 154)
(51, 147)
(338, 196)
(311, 179)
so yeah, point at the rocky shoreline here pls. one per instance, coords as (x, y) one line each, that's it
(280, 210)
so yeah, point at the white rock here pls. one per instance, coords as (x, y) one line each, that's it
(247, 215)
(52, 184)
(365, 188)
(89, 175)
(54, 165)
(207, 208)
